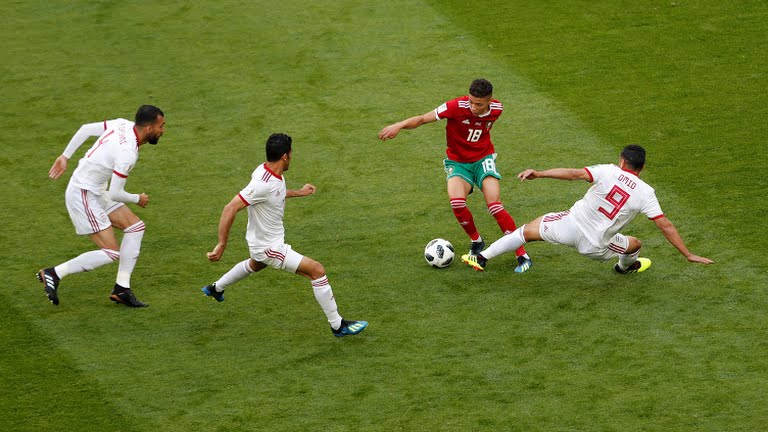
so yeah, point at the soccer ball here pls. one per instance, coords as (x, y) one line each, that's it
(439, 253)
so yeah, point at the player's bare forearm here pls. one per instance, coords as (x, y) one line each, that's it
(392, 130)
(225, 223)
(673, 236)
(555, 173)
(307, 189)
(225, 226)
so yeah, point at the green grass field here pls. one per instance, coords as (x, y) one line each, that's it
(568, 346)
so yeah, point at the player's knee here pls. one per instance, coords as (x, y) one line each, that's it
(634, 245)
(317, 271)
(111, 253)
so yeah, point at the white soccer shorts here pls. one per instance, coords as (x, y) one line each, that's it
(89, 212)
(559, 228)
(281, 257)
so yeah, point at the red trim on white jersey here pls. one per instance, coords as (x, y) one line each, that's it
(271, 172)
(136, 135)
(119, 174)
(657, 217)
(637, 174)
(244, 200)
(591, 179)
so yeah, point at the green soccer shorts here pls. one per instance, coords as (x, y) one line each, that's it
(473, 173)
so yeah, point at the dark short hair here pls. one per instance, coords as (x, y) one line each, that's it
(481, 88)
(278, 144)
(147, 114)
(634, 156)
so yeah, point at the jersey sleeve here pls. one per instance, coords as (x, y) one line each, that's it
(86, 131)
(651, 207)
(596, 172)
(254, 193)
(447, 110)
(124, 163)
(117, 190)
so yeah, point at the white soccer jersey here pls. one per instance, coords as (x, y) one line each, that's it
(115, 151)
(265, 197)
(614, 199)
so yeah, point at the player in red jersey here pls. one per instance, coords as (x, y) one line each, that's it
(471, 158)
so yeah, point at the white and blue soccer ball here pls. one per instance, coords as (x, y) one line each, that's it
(439, 253)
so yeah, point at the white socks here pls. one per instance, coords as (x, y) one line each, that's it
(324, 296)
(239, 272)
(321, 287)
(129, 253)
(626, 260)
(508, 243)
(86, 262)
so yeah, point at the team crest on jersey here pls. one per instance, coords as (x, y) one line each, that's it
(488, 125)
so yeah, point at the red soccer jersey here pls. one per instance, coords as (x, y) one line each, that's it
(468, 136)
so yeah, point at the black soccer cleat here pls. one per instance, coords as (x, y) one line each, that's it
(50, 281)
(210, 291)
(476, 247)
(125, 296)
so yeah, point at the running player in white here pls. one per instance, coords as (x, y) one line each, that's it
(96, 199)
(592, 225)
(265, 198)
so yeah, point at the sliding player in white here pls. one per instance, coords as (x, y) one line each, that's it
(96, 195)
(592, 225)
(265, 198)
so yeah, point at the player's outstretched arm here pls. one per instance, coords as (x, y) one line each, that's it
(555, 173)
(392, 130)
(307, 189)
(86, 131)
(670, 232)
(225, 225)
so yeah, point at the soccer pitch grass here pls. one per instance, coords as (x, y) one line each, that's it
(568, 346)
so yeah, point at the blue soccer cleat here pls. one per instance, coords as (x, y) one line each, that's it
(210, 291)
(349, 328)
(523, 264)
